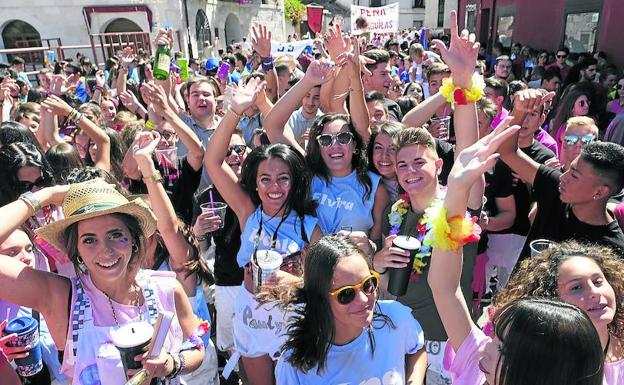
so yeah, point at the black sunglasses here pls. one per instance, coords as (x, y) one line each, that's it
(25, 185)
(562, 56)
(582, 103)
(619, 86)
(327, 140)
(239, 149)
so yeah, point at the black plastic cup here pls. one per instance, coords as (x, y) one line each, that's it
(398, 278)
(131, 340)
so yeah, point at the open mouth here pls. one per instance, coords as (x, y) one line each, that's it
(413, 180)
(385, 164)
(336, 156)
(275, 195)
(108, 265)
(597, 308)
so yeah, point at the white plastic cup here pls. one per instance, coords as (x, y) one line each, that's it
(215, 208)
(540, 245)
(168, 160)
(265, 265)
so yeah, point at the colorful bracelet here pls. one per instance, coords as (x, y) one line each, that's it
(462, 96)
(150, 125)
(451, 233)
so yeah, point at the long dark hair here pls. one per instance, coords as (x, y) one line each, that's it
(195, 264)
(12, 158)
(546, 342)
(63, 158)
(299, 198)
(389, 128)
(566, 107)
(359, 161)
(312, 330)
(12, 132)
(117, 152)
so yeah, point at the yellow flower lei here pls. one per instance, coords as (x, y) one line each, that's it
(455, 95)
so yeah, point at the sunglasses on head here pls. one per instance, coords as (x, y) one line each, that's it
(239, 149)
(25, 185)
(346, 294)
(574, 139)
(327, 140)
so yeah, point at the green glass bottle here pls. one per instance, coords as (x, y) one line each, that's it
(162, 62)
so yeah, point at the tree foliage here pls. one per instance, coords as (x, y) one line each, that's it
(294, 11)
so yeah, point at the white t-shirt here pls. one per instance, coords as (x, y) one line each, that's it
(355, 363)
(258, 330)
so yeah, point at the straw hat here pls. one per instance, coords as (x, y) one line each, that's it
(92, 199)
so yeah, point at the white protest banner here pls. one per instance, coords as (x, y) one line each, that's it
(293, 48)
(380, 19)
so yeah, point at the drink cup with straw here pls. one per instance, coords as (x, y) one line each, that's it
(215, 208)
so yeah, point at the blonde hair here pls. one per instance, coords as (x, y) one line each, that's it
(414, 136)
(582, 121)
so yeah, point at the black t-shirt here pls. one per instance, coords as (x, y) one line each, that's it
(498, 184)
(227, 243)
(523, 192)
(180, 189)
(446, 152)
(556, 221)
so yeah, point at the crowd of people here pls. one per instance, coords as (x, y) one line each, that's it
(111, 180)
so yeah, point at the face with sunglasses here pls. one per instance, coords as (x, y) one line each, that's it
(168, 137)
(336, 143)
(31, 179)
(574, 140)
(353, 293)
(581, 106)
(237, 152)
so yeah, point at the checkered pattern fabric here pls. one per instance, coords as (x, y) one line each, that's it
(82, 308)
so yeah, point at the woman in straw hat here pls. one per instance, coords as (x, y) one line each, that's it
(104, 236)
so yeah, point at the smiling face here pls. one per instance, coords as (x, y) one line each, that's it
(273, 183)
(108, 110)
(234, 159)
(384, 155)
(380, 80)
(201, 100)
(358, 313)
(311, 102)
(105, 245)
(572, 151)
(337, 157)
(417, 168)
(581, 282)
(19, 246)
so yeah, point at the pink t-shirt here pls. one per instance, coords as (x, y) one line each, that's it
(614, 373)
(465, 367)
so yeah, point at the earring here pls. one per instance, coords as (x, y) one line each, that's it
(135, 248)
(81, 265)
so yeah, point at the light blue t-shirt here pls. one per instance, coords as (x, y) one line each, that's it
(289, 239)
(355, 363)
(341, 204)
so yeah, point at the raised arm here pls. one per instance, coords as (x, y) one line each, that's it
(221, 174)
(318, 73)
(261, 43)
(159, 100)
(97, 135)
(446, 265)
(23, 285)
(420, 114)
(525, 101)
(357, 104)
(461, 58)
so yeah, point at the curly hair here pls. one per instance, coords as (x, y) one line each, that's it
(538, 276)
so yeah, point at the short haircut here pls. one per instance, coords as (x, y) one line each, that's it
(501, 58)
(17, 60)
(375, 96)
(378, 55)
(607, 72)
(242, 58)
(499, 87)
(588, 61)
(282, 68)
(487, 108)
(199, 80)
(551, 73)
(564, 49)
(607, 160)
(582, 121)
(517, 86)
(436, 69)
(414, 136)
(416, 49)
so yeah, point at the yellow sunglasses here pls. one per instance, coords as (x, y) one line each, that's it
(346, 294)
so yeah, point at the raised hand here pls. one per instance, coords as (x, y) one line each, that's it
(319, 72)
(336, 43)
(164, 37)
(461, 57)
(56, 106)
(353, 60)
(527, 101)
(261, 40)
(129, 100)
(99, 78)
(245, 96)
(157, 97)
(144, 145)
(473, 161)
(127, 57)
